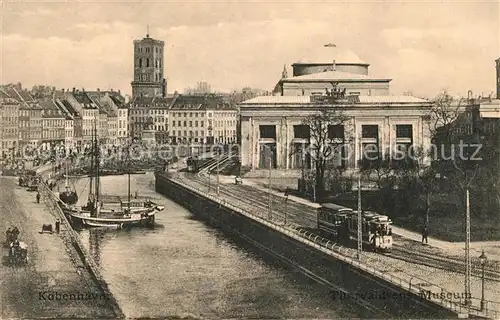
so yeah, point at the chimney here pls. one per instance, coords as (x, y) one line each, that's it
(62, 90)
(98, 90)
(73, 89)
(112, 90)
(119, 92)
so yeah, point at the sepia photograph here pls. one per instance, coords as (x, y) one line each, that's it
(250, 159)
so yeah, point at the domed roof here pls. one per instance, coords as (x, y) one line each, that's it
(329, 52)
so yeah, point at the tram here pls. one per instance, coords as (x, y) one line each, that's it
(376, 230)
(191, 164)
(342, 222)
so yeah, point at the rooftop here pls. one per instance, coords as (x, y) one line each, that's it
(333, 76)
(490, 109)
(351, 100)
(83, 99)
(69, 108)
(327, 53)
(200, 102)
(50, 109)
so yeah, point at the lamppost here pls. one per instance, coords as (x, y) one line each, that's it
(218, 159)
(209, 173)
(482, 260)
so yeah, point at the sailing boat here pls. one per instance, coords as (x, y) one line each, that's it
(68, 196)
(110, 211)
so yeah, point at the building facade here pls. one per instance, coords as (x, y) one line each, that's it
(53, 125)
(148, 68)
(202, 119)
(148, 118)
(9, 120)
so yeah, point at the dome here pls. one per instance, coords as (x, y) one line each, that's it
(329, 52)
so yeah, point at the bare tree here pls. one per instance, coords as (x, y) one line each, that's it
(321, 147)
(444, 112)
(419, 168)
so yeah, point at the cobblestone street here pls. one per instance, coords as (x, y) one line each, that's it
(48, 285)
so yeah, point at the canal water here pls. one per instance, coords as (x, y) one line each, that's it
(184, 268)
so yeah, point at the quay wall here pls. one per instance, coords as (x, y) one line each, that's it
(346, 280)
(51, 200)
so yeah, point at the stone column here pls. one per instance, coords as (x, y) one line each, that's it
(386, 143)
(254, 145)
(279, 142)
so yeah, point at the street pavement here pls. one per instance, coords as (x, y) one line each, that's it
(54, 283)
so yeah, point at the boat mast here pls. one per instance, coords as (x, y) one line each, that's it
(66, 172)
(91, 176)
(97, 163)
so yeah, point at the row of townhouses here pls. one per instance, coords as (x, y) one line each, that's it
(184, 119)
(62, 119)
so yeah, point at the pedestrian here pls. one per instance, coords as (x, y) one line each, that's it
(15, 233)
(425, 233)
(58, 225)
(38, 197)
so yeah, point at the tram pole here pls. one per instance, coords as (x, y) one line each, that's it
(467, 248)
(269, 192)
(218, 159)
(360, 234)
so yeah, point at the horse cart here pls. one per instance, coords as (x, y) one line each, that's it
(18, 253)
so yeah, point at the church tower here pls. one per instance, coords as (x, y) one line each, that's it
(148, 68)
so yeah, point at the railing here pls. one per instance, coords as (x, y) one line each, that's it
(421, 288)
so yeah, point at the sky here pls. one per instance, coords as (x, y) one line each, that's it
(424, 46)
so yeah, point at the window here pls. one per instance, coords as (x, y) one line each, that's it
(404, 131)
(196, 123)
(185, 123)
(190, 123)
(337, 146)
(201, 123)
(404, 140)
(369, 145)
(147, 63)
(179, 123)
(369, 131)
(267, 131)
(140, 62)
